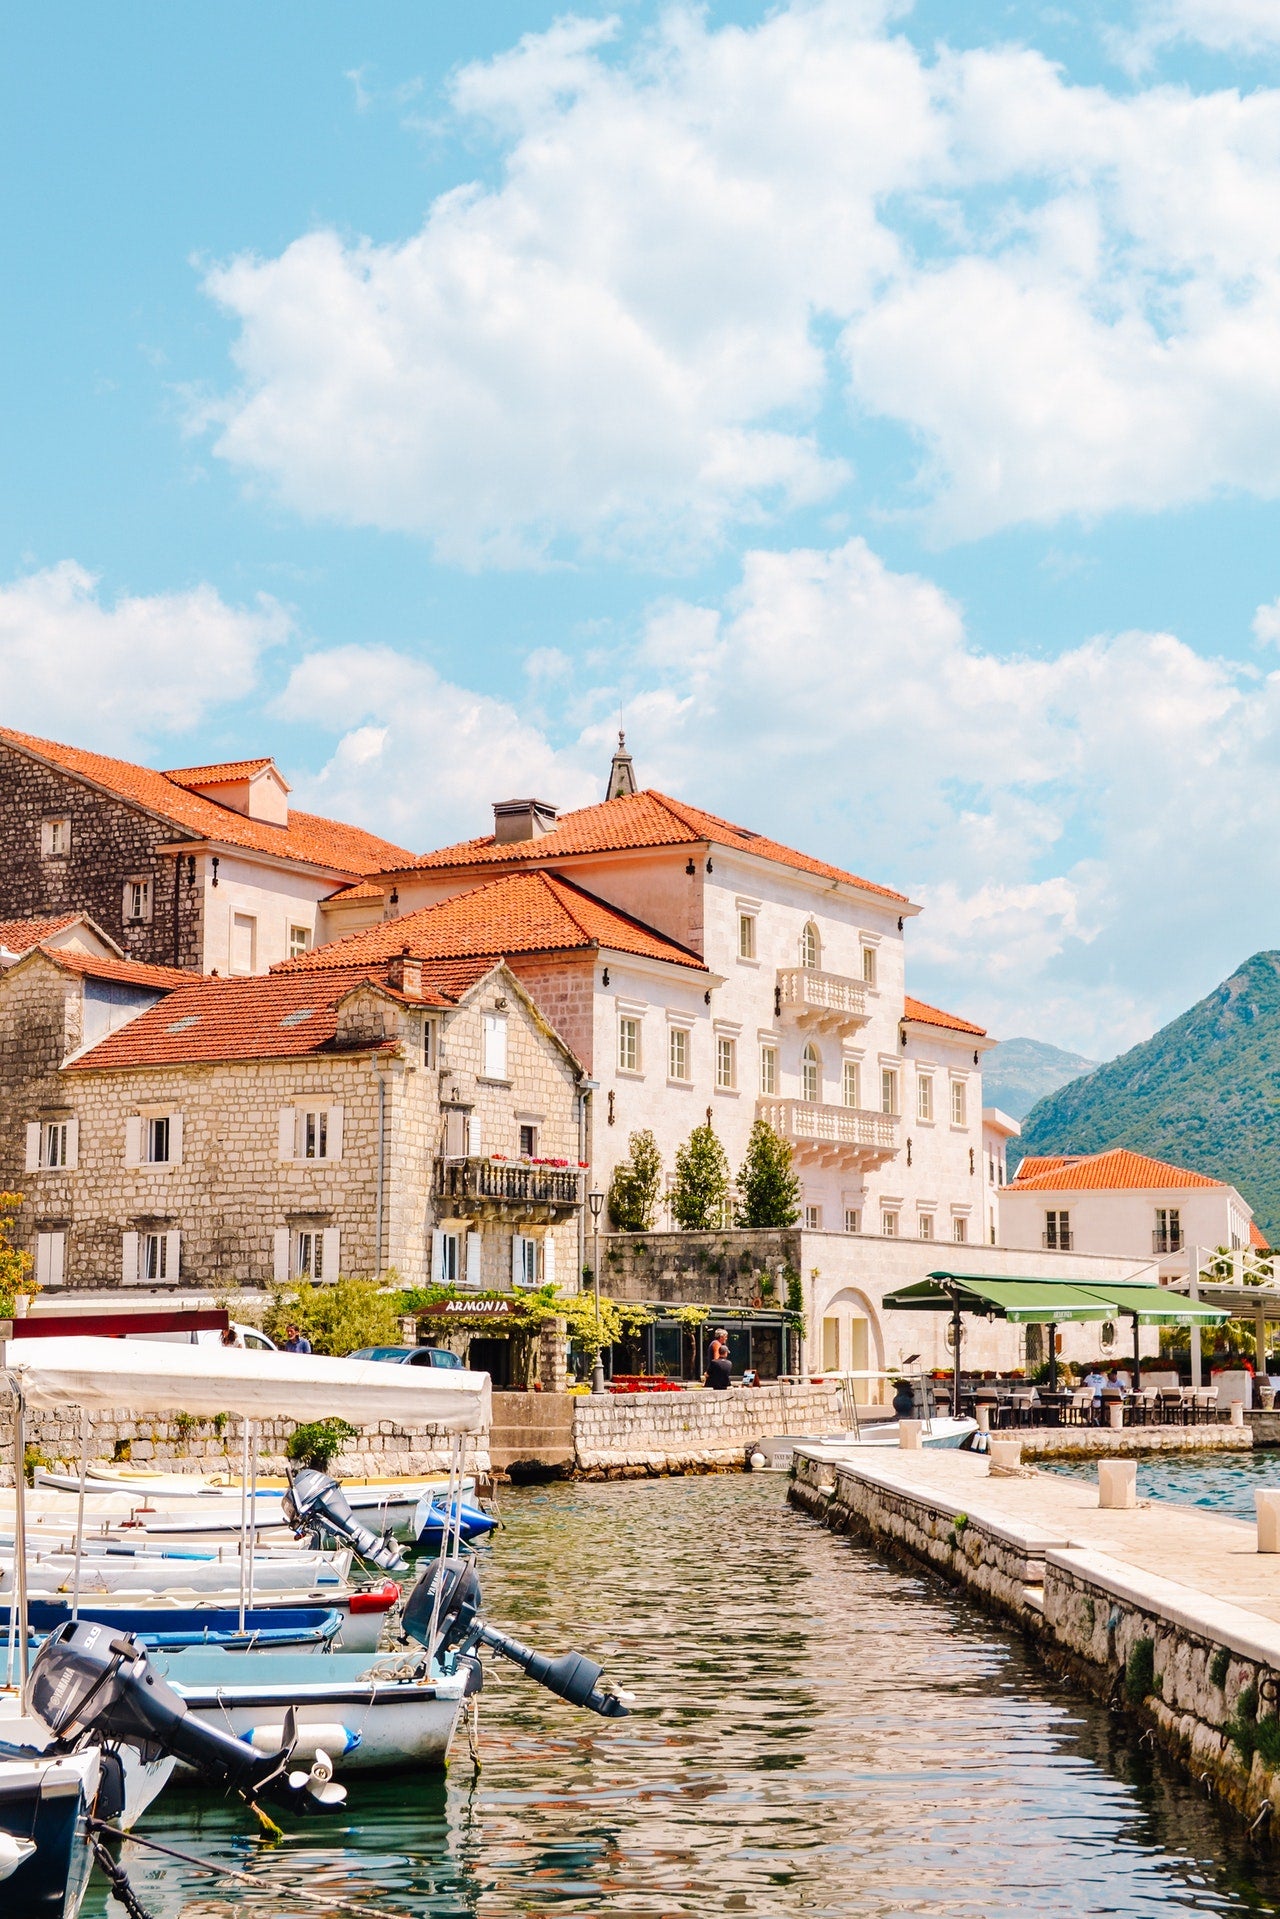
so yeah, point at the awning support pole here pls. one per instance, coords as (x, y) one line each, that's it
(1197, 1371)
(1053, 1357)
(20, 1531)
(1137, 1356)
(955, 1362)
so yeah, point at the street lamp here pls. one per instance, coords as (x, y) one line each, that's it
(595, 1200)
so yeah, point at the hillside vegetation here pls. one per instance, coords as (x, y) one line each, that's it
(1204, 1092)
(1018, 1072)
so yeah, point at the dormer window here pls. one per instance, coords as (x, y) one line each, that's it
(810, 948)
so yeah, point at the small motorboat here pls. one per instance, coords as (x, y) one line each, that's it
(437, 1518)
(295, 1629)
(777, 1450)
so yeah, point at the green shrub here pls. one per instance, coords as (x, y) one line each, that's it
(1140, 1671)
(1219, 1667)
(636, 1182)
(319, 1441)
(768, 1189)
(701, 1191)
(337, 1319)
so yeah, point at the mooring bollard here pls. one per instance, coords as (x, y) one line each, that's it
(909, 1431)
(1237, 1413)
(1117, 1483)
(982, 1413)
(1005, 1456)
(1115, 1418)
(1267, 1499)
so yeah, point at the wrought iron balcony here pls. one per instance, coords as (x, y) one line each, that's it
(1060, 1241)
(1168, 1240)
(832, 1135)
(820, 999)
(481, 1188)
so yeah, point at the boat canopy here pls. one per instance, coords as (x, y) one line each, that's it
(100, 1374)
(1050, 1302)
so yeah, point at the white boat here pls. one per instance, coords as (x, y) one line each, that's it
(778, 1449)
(204, 1504)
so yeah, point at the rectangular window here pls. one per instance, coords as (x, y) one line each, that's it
(299, 940)
(960, 1231)
(959, 1103)
(628, 1044)
(1168, 1233)
(1057, 1232)
(813, 1219)
(768, 1071)
(313, 1134)
(850, 1083)
(889, 1090)
(528, 1142)
(447, 1266)
(55, 838)
(428, 1042)
(853, 1219)
(244, 943)
(746, 936)
(868, 965)
(678, 1053)
(924, 1226)
(924, 1097)
(308, 1261)
(54, 1142)
(157, 1139)
(524, 1261)
(137, 899)
(154, 1251)
(495, 1045)
(889, 1225)
(726, 1063)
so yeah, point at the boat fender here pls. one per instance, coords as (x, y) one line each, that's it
(14, 1852)
(329, 1737)
(376, 1598)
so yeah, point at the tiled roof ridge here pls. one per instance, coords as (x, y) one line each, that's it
(920, 1010)
(49, 923)
(217, 771)
(1070, 1172)
(107, 966)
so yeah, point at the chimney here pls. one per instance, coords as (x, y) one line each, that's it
(522, 820)
(405, 974)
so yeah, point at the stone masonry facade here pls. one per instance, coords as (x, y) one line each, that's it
(110, 842)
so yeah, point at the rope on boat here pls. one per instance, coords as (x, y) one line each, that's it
(116, 1874)
(255, 1881)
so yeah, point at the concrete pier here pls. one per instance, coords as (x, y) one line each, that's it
(1171, 1612)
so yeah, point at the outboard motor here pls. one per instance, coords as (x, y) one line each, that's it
(460, 1629)
(315, 1504)
(87, 1679)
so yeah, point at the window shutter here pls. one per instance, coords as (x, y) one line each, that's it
(44, 1243)
(437, 1258)
(175, 1139)
(286, 1132)
(280, 1255)
(173, 1258)
(548, 1261)
(334, 1142)
(57, 1259)
(33, 1146)
(133, 1150)
(129, 1262)
(474, 1135)
(330, 1258)
(73, 1143)
(473, 1259)
(517, 1260)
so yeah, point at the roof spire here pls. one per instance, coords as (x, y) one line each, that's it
(622, 776)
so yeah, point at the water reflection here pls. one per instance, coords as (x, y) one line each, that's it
(820, 1733)
(1226, 1482)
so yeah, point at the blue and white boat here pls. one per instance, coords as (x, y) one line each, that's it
(294, 1629)
(437, 1516)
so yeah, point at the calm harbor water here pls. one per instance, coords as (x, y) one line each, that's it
(1224, 1481)
(820, 1733)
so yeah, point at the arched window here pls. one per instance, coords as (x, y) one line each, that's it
(810, 948)
(810, 1074)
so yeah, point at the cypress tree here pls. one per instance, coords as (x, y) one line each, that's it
(633, 1190)
(701, 1191)
(768, 1190)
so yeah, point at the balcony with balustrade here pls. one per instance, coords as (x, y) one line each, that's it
(811, 998)
(477, 1187)
(843, 1136)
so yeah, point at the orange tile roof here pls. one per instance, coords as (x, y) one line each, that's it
(637, 820)
(517, 913)
(362, 890)
(1257, 1238)
(308, 838)
(1113, 1171)
(270, 1016)
(218, 775)
(1034, 1164)
(927, 1015)
(18, 936)
(129, 972)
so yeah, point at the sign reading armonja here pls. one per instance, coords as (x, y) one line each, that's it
(495, 1308)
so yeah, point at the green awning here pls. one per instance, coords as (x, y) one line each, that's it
(1050, 1302)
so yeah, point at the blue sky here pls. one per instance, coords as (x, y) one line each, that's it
(879, 405)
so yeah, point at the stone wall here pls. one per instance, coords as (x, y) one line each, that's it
(1131, 1442)
(628, 1435)
(110, 843)
(726, 1268)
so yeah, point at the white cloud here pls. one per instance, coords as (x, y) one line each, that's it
(113, 675)
(1224, 26)
(1071, 296)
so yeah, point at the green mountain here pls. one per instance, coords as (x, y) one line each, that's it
(1018, 1072)
(1204, 1092)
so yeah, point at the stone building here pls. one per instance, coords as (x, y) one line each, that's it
(235, 1133)
(203, 867)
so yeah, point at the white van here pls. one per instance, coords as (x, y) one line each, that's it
(249, 1336)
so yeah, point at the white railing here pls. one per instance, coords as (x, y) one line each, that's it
(803, 991)
(805, 1122)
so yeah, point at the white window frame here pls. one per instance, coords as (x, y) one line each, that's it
(524, 1262)
(870, 966)
(959, 1103)
(889, 1223)
(890, 1092)
(318, 1125)
(960, 1229)
(53, 1145)
(251, 921)
(747, 937)
(136, 900)
(428, 1043)
(157, 1257)
(768, 1072)
(851, 1082)
(157, 1140)
(299, 940)
(925, 1222)
(55, 837)
(813, 1219)
(522, 1127)
(853, 1219)
(811, 948)
(494, 1038)
(630, 1043)
(680, 1055)
(1057, 1229)
(924, 1099)
(726, 1063)
(448, 1256)
(811, 1074)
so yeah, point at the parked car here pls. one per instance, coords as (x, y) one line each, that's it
(411, 1356)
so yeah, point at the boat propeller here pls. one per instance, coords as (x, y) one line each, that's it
(315, 1504)
(87, 1679)
(459, 1630)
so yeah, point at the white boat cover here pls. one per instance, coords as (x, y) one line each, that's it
(100, 1374)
